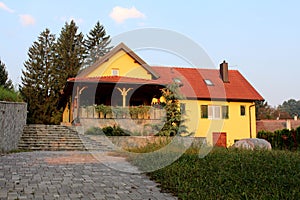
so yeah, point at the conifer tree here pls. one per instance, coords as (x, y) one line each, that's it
(37, 79)
(4, 81)
(96, 44)
(70, 53)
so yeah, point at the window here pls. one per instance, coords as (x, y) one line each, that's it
(204, 111)
(177, 81)
(208, 82)
(115, 72)
(243, 110)
(214, 112)
(225, 112)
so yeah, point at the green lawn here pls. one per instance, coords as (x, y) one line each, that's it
(231, 174)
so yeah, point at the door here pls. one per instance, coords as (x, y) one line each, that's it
(219, 139)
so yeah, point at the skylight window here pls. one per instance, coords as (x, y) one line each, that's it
(178, 81)
(208, 82)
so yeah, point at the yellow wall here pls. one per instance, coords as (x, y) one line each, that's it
(236, 126)
(66, 114)
(126, 65)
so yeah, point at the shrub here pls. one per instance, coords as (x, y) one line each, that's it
(115, 131)
(94, 131)
(108, 131)
(9, 95)
(282, 139)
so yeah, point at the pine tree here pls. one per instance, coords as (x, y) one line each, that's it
(37, 79)
(70, 53)
(96, 44)
(4, 81)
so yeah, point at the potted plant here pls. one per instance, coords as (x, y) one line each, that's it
(133, 111)
(107, 112)
(101, 109)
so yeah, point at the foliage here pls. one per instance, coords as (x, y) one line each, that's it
(4, 81)
(287, 110)
(50, 63)
(232, 174)
(173, 122)
(37, 88)
(9, 95)
(108, 131)
(96, 44)
(265, 111)
(292, 107)
(282, 139)
(94, 131)
(115, 131)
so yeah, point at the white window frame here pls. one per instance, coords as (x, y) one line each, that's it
(115, 72)
(214, 112)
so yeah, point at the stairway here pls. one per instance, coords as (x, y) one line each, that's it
(50, 138)
(97, 143)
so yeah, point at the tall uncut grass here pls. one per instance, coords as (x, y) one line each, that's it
(232, 174)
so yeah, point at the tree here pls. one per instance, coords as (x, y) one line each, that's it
(70, 54)
(265, 111)
(4, 81)
(292, 107)
(174, 121)
(96, 44)
(38, 79)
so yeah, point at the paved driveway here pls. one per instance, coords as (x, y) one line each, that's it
(72, 175)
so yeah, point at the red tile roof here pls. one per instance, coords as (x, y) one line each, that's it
(194, 86)
(274, 125)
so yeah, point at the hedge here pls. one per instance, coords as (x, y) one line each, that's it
(282, 139)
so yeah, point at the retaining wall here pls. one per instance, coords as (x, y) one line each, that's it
(12, 120)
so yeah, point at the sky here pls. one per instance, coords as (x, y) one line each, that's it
(261, 39)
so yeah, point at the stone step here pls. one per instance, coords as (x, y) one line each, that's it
(51, 142)
(95, 145)
(50, 137)
(53, 148)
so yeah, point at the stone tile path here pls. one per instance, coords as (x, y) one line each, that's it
(72, 175)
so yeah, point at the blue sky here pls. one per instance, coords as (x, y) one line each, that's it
(259, 38)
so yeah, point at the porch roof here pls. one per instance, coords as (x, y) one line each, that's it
(192, 81)
(116, 79)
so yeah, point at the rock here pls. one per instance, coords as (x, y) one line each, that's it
(252, 143)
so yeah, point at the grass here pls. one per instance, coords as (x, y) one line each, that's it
(230, 174)
(15, 151)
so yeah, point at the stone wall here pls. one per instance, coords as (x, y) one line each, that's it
(133, 125)
(12, 120)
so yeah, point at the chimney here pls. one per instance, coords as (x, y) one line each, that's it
(224, 72)
(288, 125)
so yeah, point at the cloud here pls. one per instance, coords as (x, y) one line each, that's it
(27, 20)
(120, 14)
(4, 7)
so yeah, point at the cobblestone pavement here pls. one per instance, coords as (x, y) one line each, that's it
(71, 175)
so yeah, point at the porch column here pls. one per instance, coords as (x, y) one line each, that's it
(79, 91)
(124, 93)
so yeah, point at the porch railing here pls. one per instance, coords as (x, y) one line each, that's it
(118, 112)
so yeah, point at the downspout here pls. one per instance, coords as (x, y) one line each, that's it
(250, 121)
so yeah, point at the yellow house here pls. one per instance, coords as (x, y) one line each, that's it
(218, 104)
